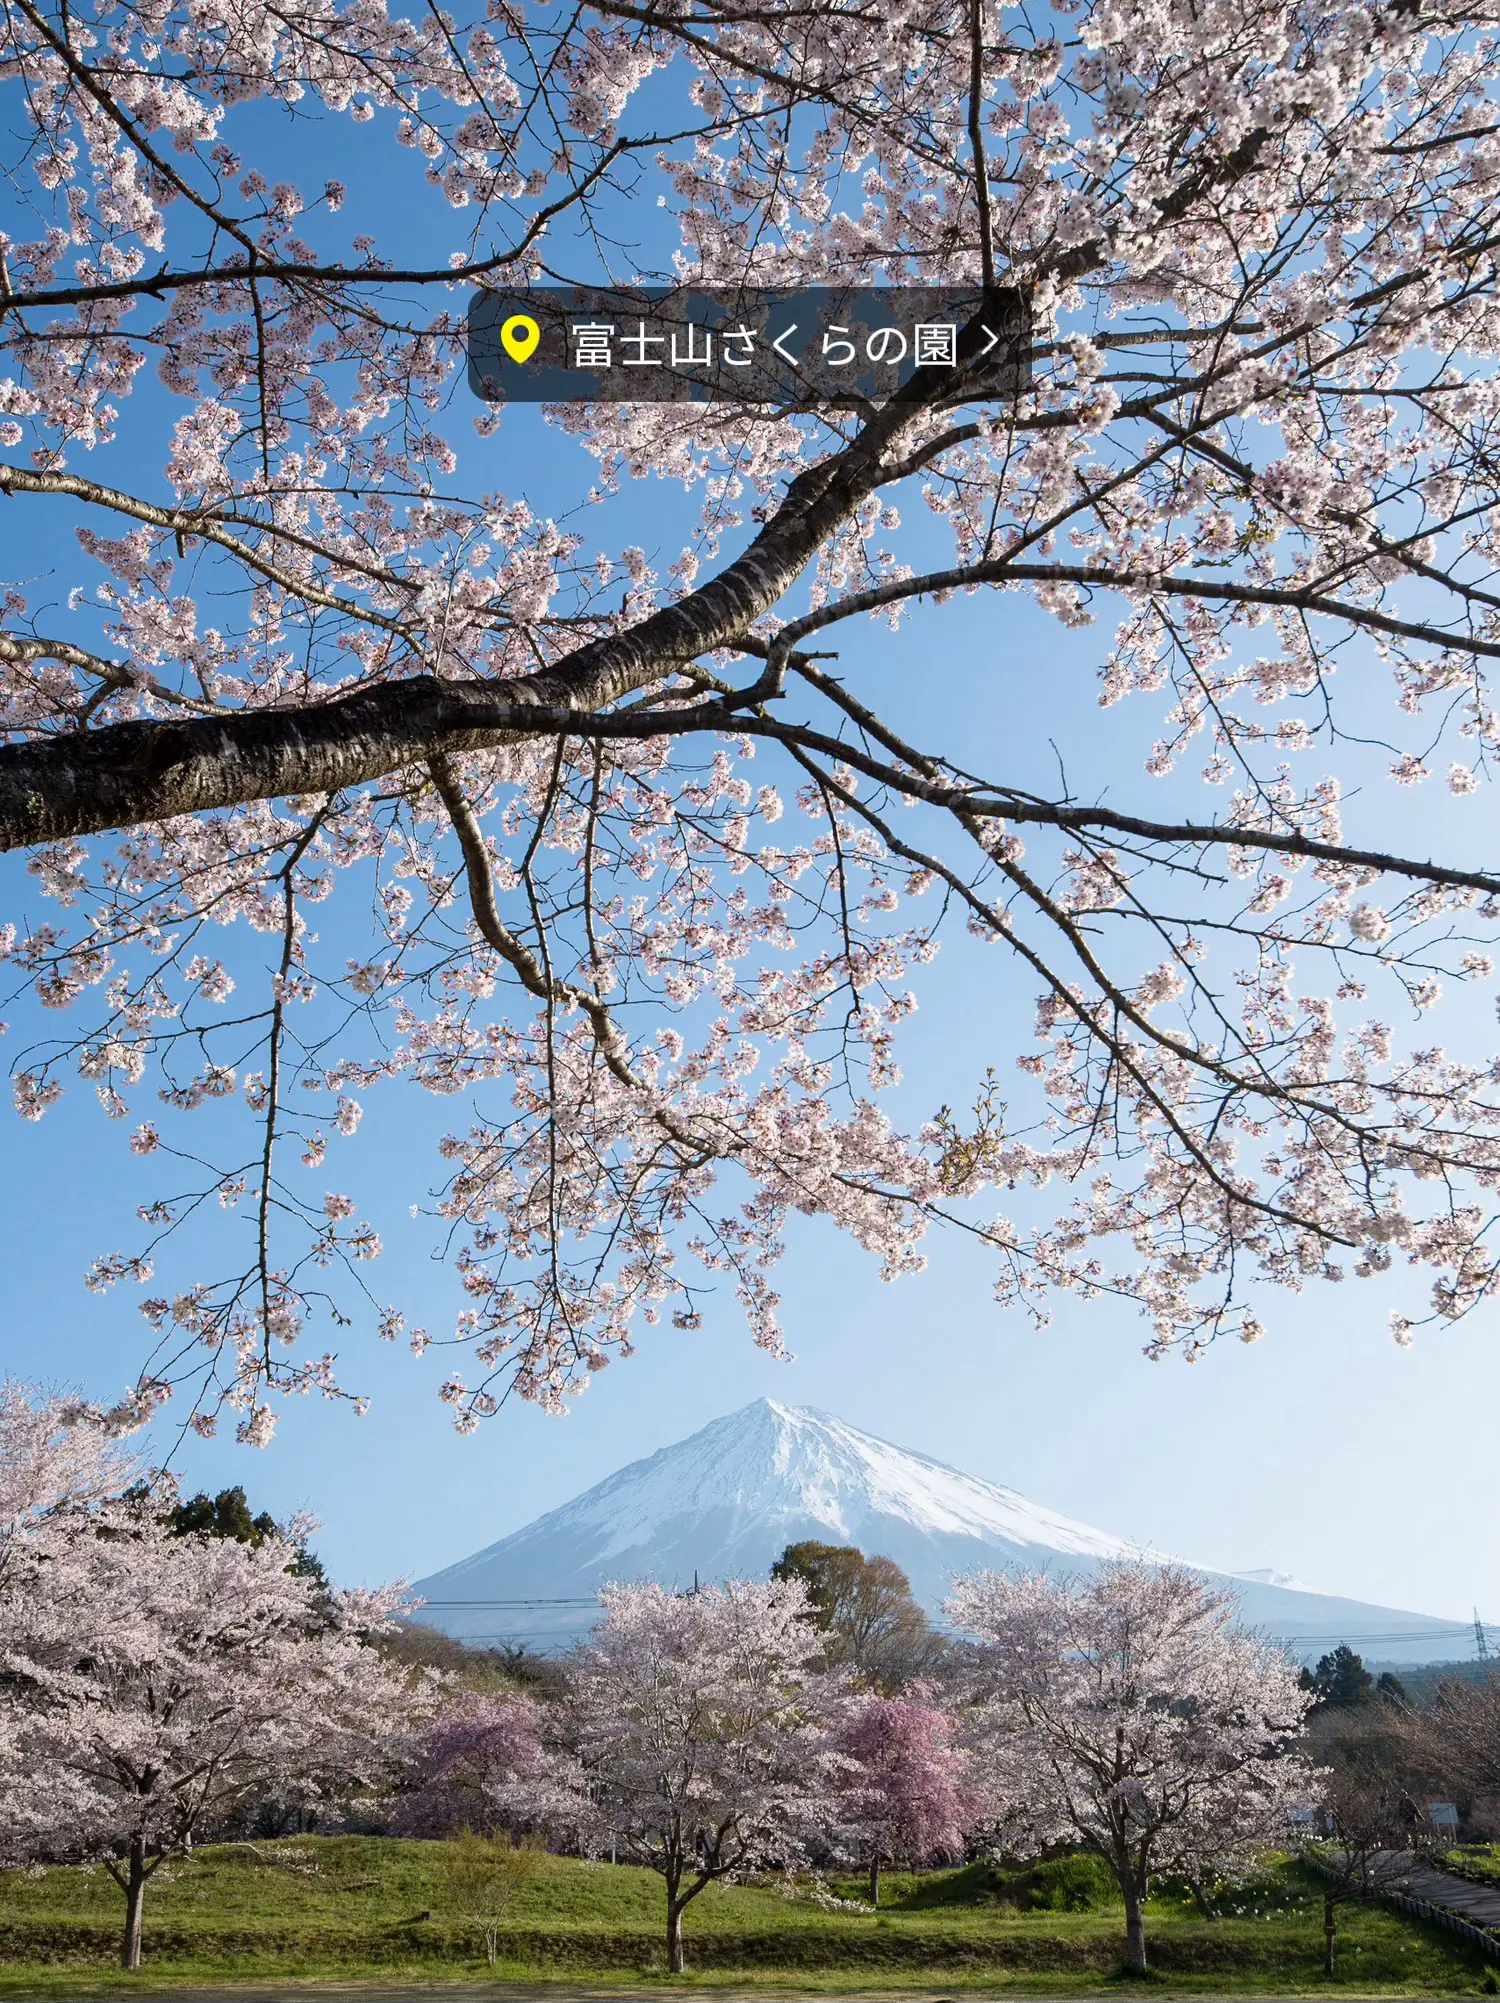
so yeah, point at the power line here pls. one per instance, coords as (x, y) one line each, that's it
(1357, 1637)
(590, 1601)
(1435, 1631)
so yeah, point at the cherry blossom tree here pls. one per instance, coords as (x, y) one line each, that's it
(1124, 1712)
(706, 1739)
(151, 1682)
(488, 1765)
(303, 651)
(56, 1454)
(905, 1796)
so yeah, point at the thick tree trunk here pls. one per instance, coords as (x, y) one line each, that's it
(674, 1936)
(875, 1879)
(1135, 1931)
(135, 1899)
(1330, 1929)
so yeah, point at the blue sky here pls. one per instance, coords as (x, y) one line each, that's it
(1324, 1451)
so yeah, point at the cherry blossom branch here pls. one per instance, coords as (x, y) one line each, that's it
(194, 522)
(1119, 1051)
(130, 772)
(976, 145)
(333, 277)
(273, 1077)
(1120, 578)
(534, 976)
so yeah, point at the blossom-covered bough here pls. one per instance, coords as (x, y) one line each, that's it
(308, 658)
(55, 1454)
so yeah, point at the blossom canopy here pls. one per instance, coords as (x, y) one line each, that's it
(614, 857)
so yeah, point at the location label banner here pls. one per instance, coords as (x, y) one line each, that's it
(820, 347)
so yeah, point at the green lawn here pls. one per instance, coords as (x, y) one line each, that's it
(369, 1908)
(1476, 1860)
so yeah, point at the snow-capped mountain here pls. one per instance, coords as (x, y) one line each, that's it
(725, 1502)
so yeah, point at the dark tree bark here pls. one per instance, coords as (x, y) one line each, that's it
(134, 1882)
(82, 782)
(1135, 1931)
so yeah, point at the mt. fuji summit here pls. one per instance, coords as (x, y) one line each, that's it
(726, 1501)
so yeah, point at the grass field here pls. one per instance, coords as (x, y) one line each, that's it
(367, 1908)
(1476, 1860)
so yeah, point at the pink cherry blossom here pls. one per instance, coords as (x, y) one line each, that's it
(905, 1796)
(486, 1766)
(1125, 1713)
(705, 1739)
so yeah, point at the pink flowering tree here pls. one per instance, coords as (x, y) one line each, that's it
(706, 1739)
(506, 805)
(56, 1454)
(1124, 1712)
(488, 1765)
(904, 1795)
(152, 1682)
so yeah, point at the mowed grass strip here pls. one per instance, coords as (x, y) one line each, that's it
(374, 1908)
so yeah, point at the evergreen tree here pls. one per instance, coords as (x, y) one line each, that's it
(227, 1514)
(1340, 1679)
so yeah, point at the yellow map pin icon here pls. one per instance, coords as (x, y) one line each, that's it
(519, 337)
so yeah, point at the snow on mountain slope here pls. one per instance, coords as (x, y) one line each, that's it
(770, 1459)
(726, 1501)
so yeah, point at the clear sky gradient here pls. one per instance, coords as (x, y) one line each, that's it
(1324, 1451)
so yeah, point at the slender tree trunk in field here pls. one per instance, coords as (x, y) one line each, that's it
(1135, 1927)
(674, 1935)
(135, 1899)
(1330, 1928)
(875, 1879)
(676, 1905)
